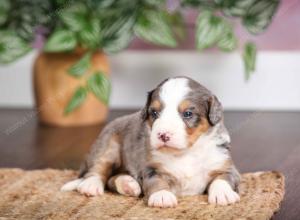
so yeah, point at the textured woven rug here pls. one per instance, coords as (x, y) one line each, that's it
(36, 195)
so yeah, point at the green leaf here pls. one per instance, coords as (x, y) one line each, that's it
(105, 3)
(117, 43)
(74, 16)
(61, 40)
(12, 47)
(249, 57)
(100, 86)
(90, 35)
(228, 41)
(4, 8)
(75, 7)
(128, 4)
(77, 100)
(118, 34)
(259, 15)
(236, 8)
(178, 25)
(152, 26)
(118, 25)
(199, 3)
(80, 67)
(156, 3)
(61, 3)
(74, 21)
(5, 5)
(210, 29)
(3, 17)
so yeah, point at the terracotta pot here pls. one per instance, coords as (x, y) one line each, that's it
(54, 87)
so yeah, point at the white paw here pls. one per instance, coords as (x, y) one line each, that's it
(163, 199)
(221, 193)
(72, 185)
(127, 185)
(91, 186)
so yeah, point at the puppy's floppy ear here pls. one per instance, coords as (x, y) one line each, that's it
(145, 113)
(215, 110)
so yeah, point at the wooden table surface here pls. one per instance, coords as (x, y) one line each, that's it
(260, 140)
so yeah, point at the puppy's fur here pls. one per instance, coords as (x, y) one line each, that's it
(176, 145)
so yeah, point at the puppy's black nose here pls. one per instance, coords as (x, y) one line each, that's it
(164, 137)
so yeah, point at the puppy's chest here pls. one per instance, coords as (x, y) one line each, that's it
(192, 170)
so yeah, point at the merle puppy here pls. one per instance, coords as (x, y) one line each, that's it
(176, 145)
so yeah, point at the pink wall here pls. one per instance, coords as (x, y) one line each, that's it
(282, 34)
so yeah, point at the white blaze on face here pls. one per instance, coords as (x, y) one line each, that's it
(170, 123)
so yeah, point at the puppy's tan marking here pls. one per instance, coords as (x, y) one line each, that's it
(184, 105)
(227, 172)
(222, 170)
(154, 184)
(223, 186)
(196, 132)
(156, 178)
(156, 104)
(108, 160)
(170, 150)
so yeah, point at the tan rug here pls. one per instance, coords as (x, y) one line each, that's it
(36, 195)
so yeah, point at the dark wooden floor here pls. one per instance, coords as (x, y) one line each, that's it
(261, 141)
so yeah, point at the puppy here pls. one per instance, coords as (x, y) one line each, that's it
(176, 145)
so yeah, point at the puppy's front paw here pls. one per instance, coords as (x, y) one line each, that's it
(221, 193)
(127, 185)
(163, 199)
(91, 186)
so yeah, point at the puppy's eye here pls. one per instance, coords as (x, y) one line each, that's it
(187, 114)
(154, 113)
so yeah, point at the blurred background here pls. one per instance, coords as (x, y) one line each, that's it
(273, 86)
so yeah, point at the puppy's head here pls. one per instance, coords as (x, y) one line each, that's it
(179, 111)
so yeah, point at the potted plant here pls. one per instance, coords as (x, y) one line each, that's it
(71, 73)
